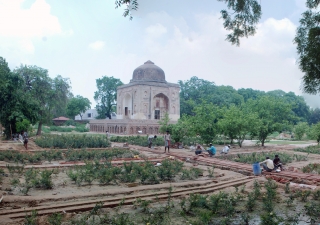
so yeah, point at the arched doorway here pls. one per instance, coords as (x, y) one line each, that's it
(160, 106)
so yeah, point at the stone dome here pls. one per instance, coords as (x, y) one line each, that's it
(148, 72)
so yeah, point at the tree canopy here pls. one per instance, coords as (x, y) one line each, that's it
(29, 94)
(43, 92)
(106, 95)
(77, 106)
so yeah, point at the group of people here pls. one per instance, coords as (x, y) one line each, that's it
(271, 165)
(211, 150)
(23, 137)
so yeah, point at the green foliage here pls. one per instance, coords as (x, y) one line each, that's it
(254, 157)
(314, 132)
(77, 106)
(46, 94)
(145, 172)
(78, 128)
(309, 149)
(312, 210)
(72, 141)
(44, 181)
(314, 116)
(242, 20)
(311, 168)
(273, 114)
(55, 219)
(23, 125)
(300, 129)
(15, 104)
(137, 140)
(31, 219)
(237, 122)
(204, 122)
(308, 46)
(164, 123)
(195, 91)
(106, 95)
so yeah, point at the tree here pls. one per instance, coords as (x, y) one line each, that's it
(308, 46)
(205, 121)
(182, 129)
(164, 123)
(43, 93)
(23, 125)
(273, 114)
(10, 110)
(314, 132)
(237, 122)
(77, 106)
(249, 93)
(300, 129)
(314, 116)
(194, 91)
(62, 95)
(106, 96)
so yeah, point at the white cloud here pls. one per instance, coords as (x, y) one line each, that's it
(97, 45)
(156, 31)
(21, 29)
(34, 22)
(265, 61)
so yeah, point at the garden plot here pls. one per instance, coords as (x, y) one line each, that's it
(99, 179)
(257, 202)
(10, 157)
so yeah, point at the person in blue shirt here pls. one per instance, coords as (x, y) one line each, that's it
(212, 150)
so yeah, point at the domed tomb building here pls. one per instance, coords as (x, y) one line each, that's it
(142, 103)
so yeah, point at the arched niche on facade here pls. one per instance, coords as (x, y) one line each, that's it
(160, 104)
(127, 105)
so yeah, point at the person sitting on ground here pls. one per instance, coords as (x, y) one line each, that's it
(277, 162)
(150, 139)
(212, 150)
(267, 164)
(198, 150)
(225, 149)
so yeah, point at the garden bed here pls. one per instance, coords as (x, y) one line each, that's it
(259, 202)
(250, 158)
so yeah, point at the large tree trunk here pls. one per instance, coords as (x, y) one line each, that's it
(39, 128)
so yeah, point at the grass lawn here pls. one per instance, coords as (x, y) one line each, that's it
(284, 142)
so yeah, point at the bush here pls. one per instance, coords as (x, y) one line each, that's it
(138, 140)
(72, 141)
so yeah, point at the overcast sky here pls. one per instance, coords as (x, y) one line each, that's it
(85, 40)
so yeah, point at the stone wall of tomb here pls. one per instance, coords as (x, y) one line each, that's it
(142, 101)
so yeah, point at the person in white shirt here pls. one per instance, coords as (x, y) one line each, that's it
(225, 149)
(267, 164)
(167, 139)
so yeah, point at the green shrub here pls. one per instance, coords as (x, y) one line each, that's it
(138, 140)
(259, 157)
(314, 149)
(312, 168)
(72, 141)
